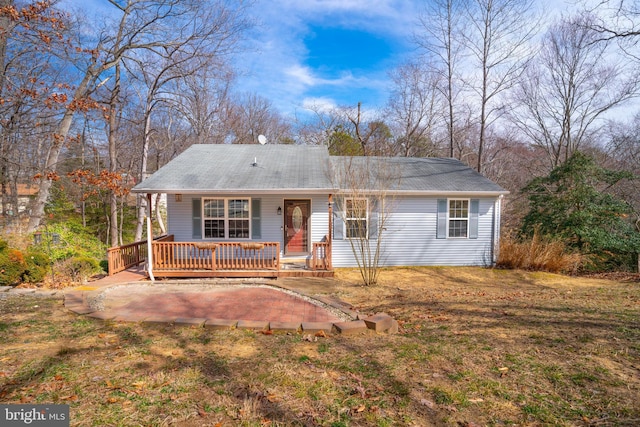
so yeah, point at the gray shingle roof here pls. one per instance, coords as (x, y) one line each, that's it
(227, 168)
(222, 168)
(411, 175)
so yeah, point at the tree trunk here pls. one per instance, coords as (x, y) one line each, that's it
(51, 163)
(158, 214)
(113, 154)
(142, 205)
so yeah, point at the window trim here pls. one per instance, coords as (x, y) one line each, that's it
(226, 219)
(347, 219)
(467, 218)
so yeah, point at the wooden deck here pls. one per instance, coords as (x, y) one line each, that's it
(220, 259)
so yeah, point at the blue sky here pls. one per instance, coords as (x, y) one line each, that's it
(324, 53)
(327, 52)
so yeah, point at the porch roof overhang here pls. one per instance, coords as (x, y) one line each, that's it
(296, 191)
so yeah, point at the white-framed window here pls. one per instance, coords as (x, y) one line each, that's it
(356, 217)
(458, 218)
(226, 218)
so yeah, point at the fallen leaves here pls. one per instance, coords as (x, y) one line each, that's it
(428, 403)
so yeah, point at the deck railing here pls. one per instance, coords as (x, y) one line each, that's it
(177, 256)
(120, 258)
(321, 256)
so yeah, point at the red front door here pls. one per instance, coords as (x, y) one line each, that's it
(296, 226)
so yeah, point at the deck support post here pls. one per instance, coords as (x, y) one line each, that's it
(149, 240)
(328, 255)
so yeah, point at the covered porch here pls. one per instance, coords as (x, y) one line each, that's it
(219, 259)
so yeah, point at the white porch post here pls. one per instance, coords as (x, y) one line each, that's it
(149, 240)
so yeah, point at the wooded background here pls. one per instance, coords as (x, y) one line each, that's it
(88, 109)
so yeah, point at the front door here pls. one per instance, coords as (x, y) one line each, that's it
(296, 227)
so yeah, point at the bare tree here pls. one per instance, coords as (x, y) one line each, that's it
(251, 115)
(317, 130)
(204, 44)
(441, 38)
(29, 34)
(364, 207)
(574, 81)
(202, 100)
(414, 111)
(618, 20)
(372, 136)
(497, 37)
(140, 25)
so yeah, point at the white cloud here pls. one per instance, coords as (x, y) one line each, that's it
(302, 74)
(305, 76)
(322, 104)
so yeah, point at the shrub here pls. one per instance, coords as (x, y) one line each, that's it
(574, 203)
(3, 245)
(79, 268)
(537, 253)
(104, 265)
(38, 264)
(12, 266)
(72, 241)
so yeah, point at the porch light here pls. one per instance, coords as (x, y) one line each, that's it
(178, 197)
(279, 210)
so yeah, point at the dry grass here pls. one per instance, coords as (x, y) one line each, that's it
(538, 253)
(489, 347)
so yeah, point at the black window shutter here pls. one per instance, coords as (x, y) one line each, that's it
(256, 221)
(196, 216)
(441, 232)
(474, 209)
(338, 222)
(373, 218)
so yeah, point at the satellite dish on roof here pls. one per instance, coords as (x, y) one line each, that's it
(262, 139)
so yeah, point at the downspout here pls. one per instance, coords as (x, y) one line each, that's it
(496, 228)
(329, 239)
(149, 240)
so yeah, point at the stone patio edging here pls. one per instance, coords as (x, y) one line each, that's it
(82, 300)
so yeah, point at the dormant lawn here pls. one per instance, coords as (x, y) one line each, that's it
(476, 347)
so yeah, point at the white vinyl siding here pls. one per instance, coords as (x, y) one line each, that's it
(180, 219)
(409, 237)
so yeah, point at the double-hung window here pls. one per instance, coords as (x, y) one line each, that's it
(458, 218)
(356, 217)
(226, 218)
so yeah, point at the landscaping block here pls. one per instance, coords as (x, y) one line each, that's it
(199, 322)
(73, 298)
(351, 328)
(79, 308)
(220, 324)
(103, 315)
(49, 294)
(284, 326)
(159, 319)
(380, 322)
(23, 291)
(256, 325)
(394, 327)
(315, 327)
